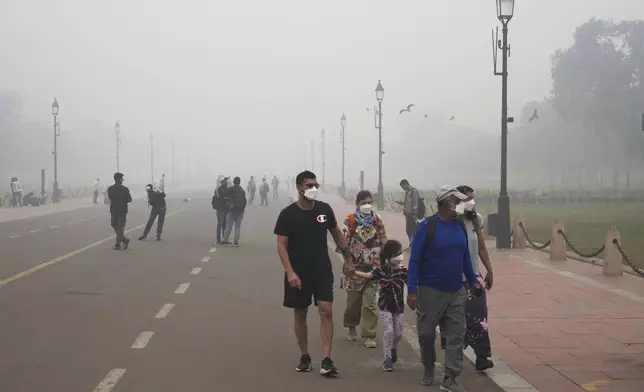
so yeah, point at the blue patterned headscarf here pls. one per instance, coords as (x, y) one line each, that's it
(364, 219)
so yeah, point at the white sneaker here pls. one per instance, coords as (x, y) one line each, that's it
(353, 335)
(370, 343)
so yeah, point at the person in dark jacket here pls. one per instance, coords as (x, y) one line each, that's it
(237, 202)
(156, 200)
(220, 204)
(119, 198)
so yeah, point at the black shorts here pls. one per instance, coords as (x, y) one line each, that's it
(319, 288)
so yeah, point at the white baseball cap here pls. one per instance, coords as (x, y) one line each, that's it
(446, 191)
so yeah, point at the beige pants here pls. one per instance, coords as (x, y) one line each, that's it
(362, 308)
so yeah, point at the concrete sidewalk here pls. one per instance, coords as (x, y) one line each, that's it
(556, 326)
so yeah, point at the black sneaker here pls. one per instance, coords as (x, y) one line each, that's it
(305, 364)
(126, 243)
(483, 364)
(141, 238)
(225, 243)
(394, 355)
(116, 247)
(327, 368)
(236, 244)
(158, 238)
(388, 365)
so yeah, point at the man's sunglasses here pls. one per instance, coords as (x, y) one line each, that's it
(311, 186)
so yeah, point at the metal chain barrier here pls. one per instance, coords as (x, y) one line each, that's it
(577, 251)
(527, 237)
(627, 261)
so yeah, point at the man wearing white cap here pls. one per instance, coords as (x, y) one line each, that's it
(439, 258)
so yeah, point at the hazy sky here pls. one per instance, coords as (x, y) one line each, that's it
(255, 80)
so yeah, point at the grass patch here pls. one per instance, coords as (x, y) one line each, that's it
(585, 224)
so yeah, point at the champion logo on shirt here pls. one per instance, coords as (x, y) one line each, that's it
(322, 218)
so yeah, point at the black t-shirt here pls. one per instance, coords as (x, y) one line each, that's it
(119, 197)
(307, 238)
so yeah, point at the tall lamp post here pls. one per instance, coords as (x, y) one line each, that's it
(322, 137)
(54, 111)
(313, 155)
(173, 161)
(152, 158)
(117, 129)
(380, 94)
(343, 124)
(504, 11)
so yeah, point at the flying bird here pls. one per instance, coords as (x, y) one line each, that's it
(408, 109)
(425, 116)
(535, 116)
(451, 118)
(367, 109)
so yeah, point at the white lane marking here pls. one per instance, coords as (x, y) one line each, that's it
(54, 226)
(195, 271)
(143, 339)
(205, 259)
(183, 287)
(212, 250)
(14, 236)
(502, 375)
(35, 230)
(110, 380)
(164, 311)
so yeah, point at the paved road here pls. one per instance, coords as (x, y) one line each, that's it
(165, 316)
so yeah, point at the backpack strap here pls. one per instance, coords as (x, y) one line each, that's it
(431, 229)
(352, 224)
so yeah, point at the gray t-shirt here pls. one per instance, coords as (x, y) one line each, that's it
(473, 242)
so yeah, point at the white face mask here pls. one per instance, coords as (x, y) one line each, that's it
(366, 208)
(311, 193)
(396, 260)
(464, 206)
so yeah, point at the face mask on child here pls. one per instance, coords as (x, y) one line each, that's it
(396, 260)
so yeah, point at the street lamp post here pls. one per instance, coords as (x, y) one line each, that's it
(172, 161)
(322, 137)
(152, 158)
(380, 94)
(505, 11)
(117, 129)
(313, 155)
(343, 124)
(54, 111)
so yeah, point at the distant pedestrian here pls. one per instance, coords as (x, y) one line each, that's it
(156, 200)
(391, 277)
(237, 200)
(263, 192)
(97, 189)
(162, 182)
(16, 192)
(119, 198)
(439, 258)
(410, 209)
(220, 204)
(301, 231)
(366, 235)
(276, 187)
(251, 188)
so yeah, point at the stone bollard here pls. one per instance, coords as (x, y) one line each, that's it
(612, 257)
(557, 244)
(518, 239)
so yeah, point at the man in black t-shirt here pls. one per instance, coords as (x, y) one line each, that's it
(301, 231)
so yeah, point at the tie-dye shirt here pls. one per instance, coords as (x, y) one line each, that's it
(392, 283)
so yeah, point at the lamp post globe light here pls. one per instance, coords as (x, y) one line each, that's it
(343, 124)
(54, 111)
(505, 12)
(380, 94)
(117, 129)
